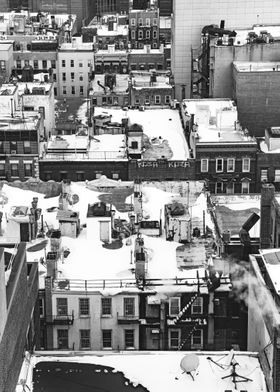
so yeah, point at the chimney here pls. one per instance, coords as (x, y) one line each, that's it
(222, 24)
(267, 216)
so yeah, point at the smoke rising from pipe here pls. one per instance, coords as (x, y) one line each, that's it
(252, 290)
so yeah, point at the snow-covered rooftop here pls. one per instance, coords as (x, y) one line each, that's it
(155, 122)
(243, 206)
(271, 258)
(242, 34)
(159, 371)
(121, 84)
(216, 120)
(254, 66)
(103, 30)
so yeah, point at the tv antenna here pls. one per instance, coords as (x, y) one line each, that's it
(234, 375)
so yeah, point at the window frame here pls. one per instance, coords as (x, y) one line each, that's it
(221, 160)
(106, 309)
(245, 185)
(232, 168)
(197, 306)
(129, 308)
(84, 307)
(244, 166)
(170, 338)
(178, 306)
(202, 161)
(130, 339)
(107, 339)
(63, 338)
(62, 309)
(157, 99)
(197, 345)
(85, 339)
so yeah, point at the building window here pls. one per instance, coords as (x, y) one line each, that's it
(204, 165)
(230, 188)
(41, 307)
(148, 34)
(14, 170)
(64, 91)
(81, 90)
(62, 339)
(107, 338)
(140, 34)
(27, 169)
(245, 187)
(140, 22)
(174, 338)
(220, 307)
(81, 77)
(61, 307)
(84, 339)
(219, 165)
(129, 338)
(53, 64)
(157, 99)
(3, 65)
(129, 306)
(133, 22)
(230, 165)
(63, 63)
(55, 91)
(132, 34)
(115, 176)
(155, 22)
(73, 90)
(35, 64)
(197, 306)
(137, 100)
(18, 63)
(13, 147)
(27, 147)
(54, 77)
(277, 175)
(197, 339)
(174, 306)
(154, 45)
(134, 145)
(167, 99)
(2, 169)
(154, 34)
(246, 164)
(220, 187)
(148, 22)
(106, 306)
(72, 63)
(64, 77)
(80, 64)
(89, 63)
(72, 76)
(147, 100)
(84, 306)
(98, 175)
(44, 64)
(264, 175)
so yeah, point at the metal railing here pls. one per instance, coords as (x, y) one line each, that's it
(101, 284)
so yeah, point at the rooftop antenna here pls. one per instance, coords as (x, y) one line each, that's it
(234, 375)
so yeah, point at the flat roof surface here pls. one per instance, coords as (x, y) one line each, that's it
(271, 258)
(103, 30)
(243, 206)
(253, 66)
(242, 34)
(154, 371)
(164, 123)
(217, 120)
(121, 84)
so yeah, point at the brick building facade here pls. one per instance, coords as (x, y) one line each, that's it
(20, 316)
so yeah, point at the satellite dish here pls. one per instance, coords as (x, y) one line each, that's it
(189, 363)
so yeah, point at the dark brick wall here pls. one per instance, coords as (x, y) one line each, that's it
(271, 162)
(257, 96)
(239, 152)
(161, 170)
(59, 170)
(135, 60)
(21, 299)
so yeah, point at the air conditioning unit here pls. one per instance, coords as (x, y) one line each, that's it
(13, 152)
